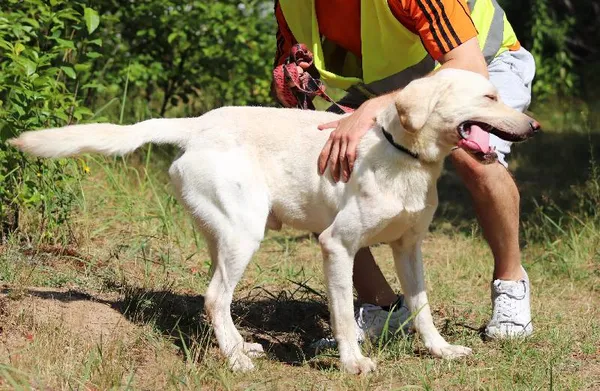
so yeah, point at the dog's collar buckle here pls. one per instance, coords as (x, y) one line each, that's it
(399, 147)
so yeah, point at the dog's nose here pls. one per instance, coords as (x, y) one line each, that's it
(535, 126)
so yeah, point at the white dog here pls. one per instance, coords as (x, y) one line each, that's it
(246, 169)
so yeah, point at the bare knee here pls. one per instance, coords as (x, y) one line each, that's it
(481, 178)
(469, 168)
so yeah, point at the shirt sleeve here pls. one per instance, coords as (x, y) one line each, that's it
(442, 25)
(284, 36)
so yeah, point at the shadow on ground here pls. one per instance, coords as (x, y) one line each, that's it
(285, 325)
(545, 168)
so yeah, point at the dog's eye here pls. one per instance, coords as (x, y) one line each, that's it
(492, 97)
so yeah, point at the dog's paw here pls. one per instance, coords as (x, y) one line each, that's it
(239, 362)
(359, 366)
(451, 351)
(253, 349)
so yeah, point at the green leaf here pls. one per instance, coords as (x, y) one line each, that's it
(65, 43)
(19, 47)
(69, 72)
(92, 85)
(97, 42)
(82, 67)
(29, 65)
(172, 37)
(61, 115)
(34, 23)
(92, 19)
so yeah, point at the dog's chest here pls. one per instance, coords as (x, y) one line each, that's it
(403, 207)
(404, 223)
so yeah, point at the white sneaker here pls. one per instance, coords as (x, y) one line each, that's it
(373, 322)
(511, 312)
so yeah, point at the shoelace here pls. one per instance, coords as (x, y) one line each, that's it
(364, 320)
(506, 301)
(364, 311)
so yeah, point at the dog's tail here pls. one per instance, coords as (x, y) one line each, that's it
(107, 139)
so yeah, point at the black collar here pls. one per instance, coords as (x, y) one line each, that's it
(399, 147)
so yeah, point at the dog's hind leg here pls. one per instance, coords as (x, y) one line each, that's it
(409, 267)
(231, 210)
(232, 255)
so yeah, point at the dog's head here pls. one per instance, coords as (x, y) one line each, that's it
(453, 108)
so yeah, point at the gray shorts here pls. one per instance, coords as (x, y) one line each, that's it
(512, 73)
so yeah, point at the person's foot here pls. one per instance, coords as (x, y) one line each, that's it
(373, 322)
(511, 312)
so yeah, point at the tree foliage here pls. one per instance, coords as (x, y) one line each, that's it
(44, 48)
(64, 61)
(563, 36)
(176, 51)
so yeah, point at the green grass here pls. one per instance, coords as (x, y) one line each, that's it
(120, 307)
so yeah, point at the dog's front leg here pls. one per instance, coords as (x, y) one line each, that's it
(338, 259)
(409, 266)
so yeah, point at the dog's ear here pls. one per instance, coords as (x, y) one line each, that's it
(416, 102)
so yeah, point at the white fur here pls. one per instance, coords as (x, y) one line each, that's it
(246, 169)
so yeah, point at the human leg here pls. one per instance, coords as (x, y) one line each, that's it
(496, 203)
(369, 282)
(380, 307)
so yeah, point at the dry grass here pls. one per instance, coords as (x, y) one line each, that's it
(122, 307)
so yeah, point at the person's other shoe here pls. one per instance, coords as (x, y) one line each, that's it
(373, 322)
(511, 311)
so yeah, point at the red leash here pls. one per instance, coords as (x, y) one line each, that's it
(305, 86)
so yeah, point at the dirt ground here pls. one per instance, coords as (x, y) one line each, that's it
(92, 316)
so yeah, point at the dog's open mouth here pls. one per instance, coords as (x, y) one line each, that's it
(468, 127)
(475, 139)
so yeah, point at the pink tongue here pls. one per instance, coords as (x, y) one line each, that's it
(477, 141)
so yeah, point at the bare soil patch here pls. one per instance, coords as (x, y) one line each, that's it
(94, 317)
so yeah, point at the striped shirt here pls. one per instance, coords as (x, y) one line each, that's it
(442, 25)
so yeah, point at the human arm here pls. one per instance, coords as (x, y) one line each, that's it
(340, 150)
(467, 56)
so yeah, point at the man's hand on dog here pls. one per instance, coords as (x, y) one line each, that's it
(340, 150)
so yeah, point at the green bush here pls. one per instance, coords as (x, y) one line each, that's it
(59, 65)
(553, 57)
(46, 50)
(189, 55)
